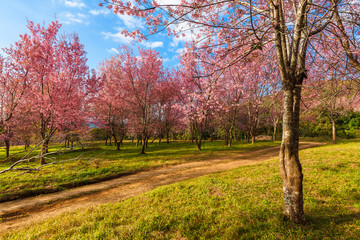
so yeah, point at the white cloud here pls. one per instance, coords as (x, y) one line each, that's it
(153, 44)
(103, 11)
(74, 3)
(69, 18)
(112, 50)
(131, 22)
(168, 2)
(118, 37)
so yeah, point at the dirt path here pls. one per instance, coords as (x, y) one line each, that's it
(30, 210)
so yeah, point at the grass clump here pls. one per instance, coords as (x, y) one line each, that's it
(245, 203)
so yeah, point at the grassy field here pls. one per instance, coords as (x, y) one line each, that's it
(245, 203)
(99, 162)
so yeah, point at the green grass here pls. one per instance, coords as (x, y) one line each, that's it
(244, 203)
(100, 162)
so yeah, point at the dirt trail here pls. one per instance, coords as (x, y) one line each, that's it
(30, 210)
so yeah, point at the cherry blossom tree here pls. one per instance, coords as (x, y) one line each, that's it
(199, 101)
(110, 109)
(134, 80)
(14, 88)
(59, 80)
(168, 113)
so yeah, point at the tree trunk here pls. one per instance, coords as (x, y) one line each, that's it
(167, 137)
(44, 150)
(7, 148)
(230, 136)
(72, 145)
(226, 139)
(159, 141)
(252, 134)
(290, 166)
(198, 142)
(275, 129)
(143, 146)
(333, 124)
(110, 141)
(230, 140)
(106, 142)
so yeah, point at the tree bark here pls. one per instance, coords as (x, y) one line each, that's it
(290, 166)
(44, 150)
(333, 125)
(252, 137)
(143, 146)
(275, 129)
(226, 138)
(198, 142)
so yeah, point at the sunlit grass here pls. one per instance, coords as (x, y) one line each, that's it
(99, 162)
(244, 203)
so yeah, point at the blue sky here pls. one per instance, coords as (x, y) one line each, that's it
(98, 28)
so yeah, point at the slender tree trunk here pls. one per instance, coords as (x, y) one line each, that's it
(167, 137)
(110, 141)
(252, 134)
(159, 140)
(117, 143)
(143, 146)
(106, 142)
(44, 150)
(226, 138)
(333, 125)
(248, 137)
(290, 166)
(72, 145)
(7, 148)
(122, 139)
(275, 129)
(230, 136)
(198, 142)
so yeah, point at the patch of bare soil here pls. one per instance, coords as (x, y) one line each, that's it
(26, 211)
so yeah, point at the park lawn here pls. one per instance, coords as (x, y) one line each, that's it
(99, 162)
(244, 203)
